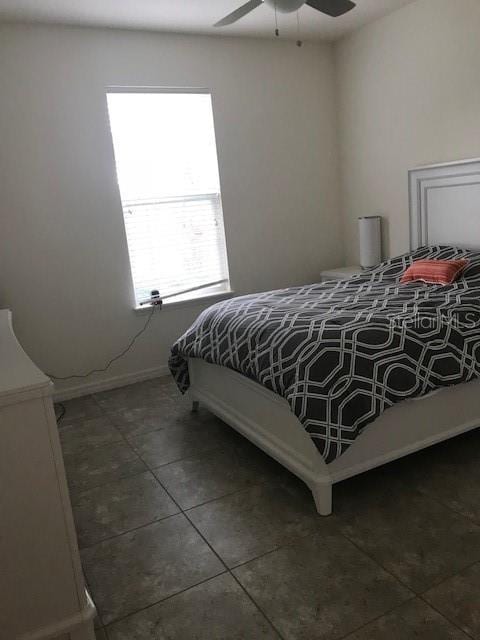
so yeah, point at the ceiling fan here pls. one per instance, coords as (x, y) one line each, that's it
(332, 8)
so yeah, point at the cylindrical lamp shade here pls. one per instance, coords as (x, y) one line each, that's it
(370, 237)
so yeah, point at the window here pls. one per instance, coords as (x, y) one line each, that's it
(167, 170)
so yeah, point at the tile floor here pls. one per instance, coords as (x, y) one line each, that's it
(188, 532)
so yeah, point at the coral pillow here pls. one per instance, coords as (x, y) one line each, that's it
(434, 271)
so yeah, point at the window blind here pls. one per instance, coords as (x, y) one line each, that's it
(167, 170)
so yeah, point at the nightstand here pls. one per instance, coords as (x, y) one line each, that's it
(341, 273)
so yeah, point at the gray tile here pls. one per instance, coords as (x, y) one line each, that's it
(320, 588)
(149, 416)
(120, 506)
(184, 439)
(411, 621)
(129, 396)
(80, 409)
(142, 567)
(215, 610)
(451, 473)
(458, 598)
(99, 635)
(165, 384)
(249, 523)
(101, 465)
(194, 481)
(83, 435)
(416, 538)
(166, 387)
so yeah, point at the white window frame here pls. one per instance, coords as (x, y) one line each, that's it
(194, 299)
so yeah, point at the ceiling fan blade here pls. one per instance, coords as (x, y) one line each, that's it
(239, 13)
(332, 8)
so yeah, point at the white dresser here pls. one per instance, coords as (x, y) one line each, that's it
(42, 591)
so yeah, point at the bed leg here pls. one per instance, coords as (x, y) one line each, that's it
(322, 494)
(195, 405)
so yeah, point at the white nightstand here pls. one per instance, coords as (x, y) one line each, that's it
(341, 273)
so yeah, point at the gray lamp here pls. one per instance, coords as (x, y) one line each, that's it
(370, 238)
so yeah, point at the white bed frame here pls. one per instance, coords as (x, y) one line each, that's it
(444, 209)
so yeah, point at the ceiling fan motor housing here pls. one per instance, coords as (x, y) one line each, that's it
(285, 6)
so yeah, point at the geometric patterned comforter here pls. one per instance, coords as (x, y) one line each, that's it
(342, 353)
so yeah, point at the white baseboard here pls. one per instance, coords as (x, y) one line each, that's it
(82, 620)
(86, 388)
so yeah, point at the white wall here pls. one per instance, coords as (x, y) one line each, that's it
(409, 94)
(63, 257)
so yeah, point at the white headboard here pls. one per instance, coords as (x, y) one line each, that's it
(445, 205)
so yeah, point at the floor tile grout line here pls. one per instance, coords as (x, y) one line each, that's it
(228, 570)
(161, 466)
(444, 615)
(162, 600)
(170, 496)
(256, 605)
(453, 575)
(227, 495)
(119, 535)
(185, 513)
(208, 453)
(379, 564)
(152, 471)
(415, 594)
(373, 620)
(285, 545)
(302, 537)
(79, 493)
(130, 475)
(189, 520)
(418, 595)
(449, 507)
(182, 511)
(125, 439)
(147, 468)
(122, 439)
(97, 447)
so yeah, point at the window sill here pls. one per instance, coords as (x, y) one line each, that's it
(191, 302)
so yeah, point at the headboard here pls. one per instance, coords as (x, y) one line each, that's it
(445, 205)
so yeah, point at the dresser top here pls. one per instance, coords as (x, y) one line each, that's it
(19, 377)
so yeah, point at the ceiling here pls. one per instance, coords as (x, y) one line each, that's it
(194, 16)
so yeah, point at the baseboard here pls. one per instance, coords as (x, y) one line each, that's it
(83, 618)
(86, 388)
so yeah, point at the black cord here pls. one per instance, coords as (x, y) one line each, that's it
(61, 413)
(114, 359)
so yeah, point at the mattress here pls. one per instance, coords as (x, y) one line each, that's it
(342, 353)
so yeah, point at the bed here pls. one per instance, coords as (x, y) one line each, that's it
(279, 416)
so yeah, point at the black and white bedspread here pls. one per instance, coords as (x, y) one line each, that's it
(341, 353)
